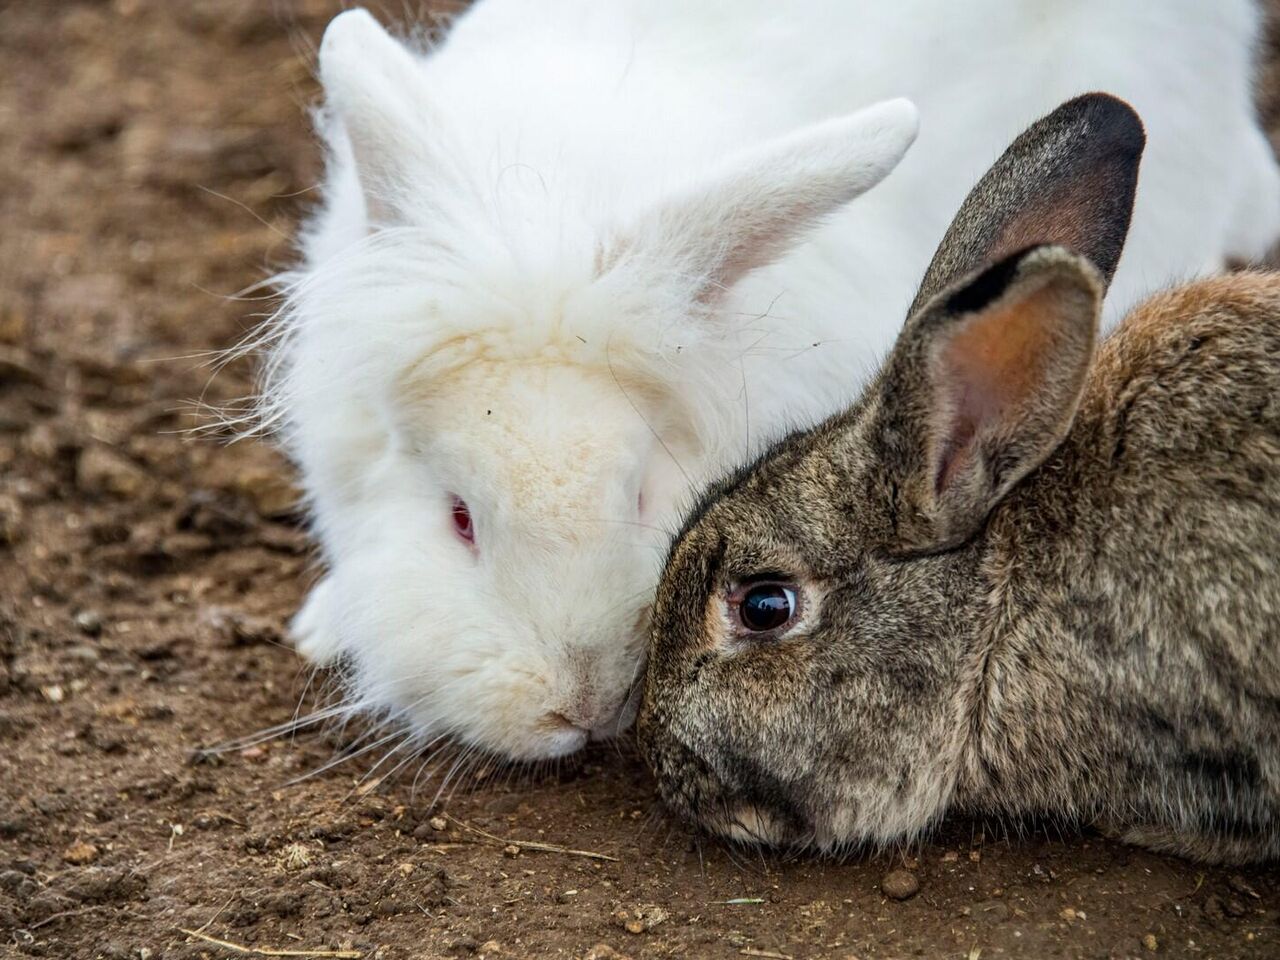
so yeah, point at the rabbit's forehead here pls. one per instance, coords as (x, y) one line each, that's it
(534, 397)
(517, 410)
(543, 442)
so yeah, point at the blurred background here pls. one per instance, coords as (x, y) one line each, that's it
(154, 161)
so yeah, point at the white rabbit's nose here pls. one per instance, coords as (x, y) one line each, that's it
(557, 718)
(587, 703)
(598, 722)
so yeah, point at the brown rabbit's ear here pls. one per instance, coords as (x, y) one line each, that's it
(982, 386)
(1068, 180)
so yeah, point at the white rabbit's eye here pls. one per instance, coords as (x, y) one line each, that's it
(462, 524)
(765, 606)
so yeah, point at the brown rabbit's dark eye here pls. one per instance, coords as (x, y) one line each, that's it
(764, 607)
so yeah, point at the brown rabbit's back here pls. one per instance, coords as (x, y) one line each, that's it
(1139, 567)
(1187, 398)
(1185, 472)
(1166, 494)
(1192, 379)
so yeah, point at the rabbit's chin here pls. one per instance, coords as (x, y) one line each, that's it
(523, 739)
(552, 746)
(749, 823)
(501, 712)
(507, 709)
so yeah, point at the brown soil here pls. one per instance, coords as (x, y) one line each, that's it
(154, 155)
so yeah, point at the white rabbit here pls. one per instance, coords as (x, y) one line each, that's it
(587, 253)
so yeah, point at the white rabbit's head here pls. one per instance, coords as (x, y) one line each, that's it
(501, 387)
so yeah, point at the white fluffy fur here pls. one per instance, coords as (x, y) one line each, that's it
(589, 252)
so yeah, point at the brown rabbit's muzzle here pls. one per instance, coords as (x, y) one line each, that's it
(716, 786)
(757, 810)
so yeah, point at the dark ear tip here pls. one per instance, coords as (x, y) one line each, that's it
(1108, 119)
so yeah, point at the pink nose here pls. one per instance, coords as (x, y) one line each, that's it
(556, 718)
(600, 724)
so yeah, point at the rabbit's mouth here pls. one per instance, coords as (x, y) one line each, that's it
(749, 823)
(723, 792)
(746, 816)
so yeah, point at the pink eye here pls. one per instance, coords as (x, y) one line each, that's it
(462, 524)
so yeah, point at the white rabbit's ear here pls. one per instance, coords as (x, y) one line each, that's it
(982, 386)
(373, 85)
(751, 210)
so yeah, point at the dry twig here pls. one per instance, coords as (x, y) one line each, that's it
(534, 844)
(65, 913)
(268, 952)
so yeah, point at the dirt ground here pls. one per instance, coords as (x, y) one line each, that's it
(154, 157)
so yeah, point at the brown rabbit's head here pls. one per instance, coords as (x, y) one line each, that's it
(813, 641)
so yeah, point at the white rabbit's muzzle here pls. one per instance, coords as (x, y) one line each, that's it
(443, 668)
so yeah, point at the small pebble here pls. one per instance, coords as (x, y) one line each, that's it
(11, 520)
(1149, 941)
(89, 622)
(84, 653)
(80, 853)
(438, 823)
(900, 885)
(101, 469)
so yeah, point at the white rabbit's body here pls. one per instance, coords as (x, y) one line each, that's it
(474, 343)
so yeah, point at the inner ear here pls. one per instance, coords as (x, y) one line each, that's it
(990, 370)
(983, 386)
(752, 208)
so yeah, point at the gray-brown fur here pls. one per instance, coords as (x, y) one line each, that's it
(1103, 642)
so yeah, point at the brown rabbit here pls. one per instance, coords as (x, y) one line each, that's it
(1020, 575)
